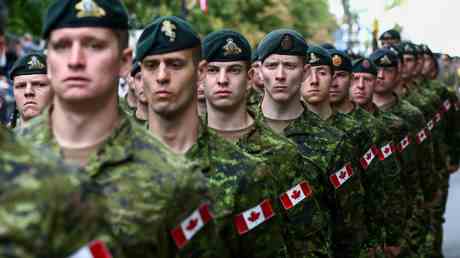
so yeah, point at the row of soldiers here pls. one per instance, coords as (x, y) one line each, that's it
(290, 150)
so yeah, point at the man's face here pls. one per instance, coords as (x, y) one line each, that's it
(226, 84)
(428, 65)
(362, 87)
(254, 77)
(170, 81)
(409, 65)
(315, 89)
(200, 92)
(85, 63)
(139, 88)
(386, 79)
(32, 94)
(282, 76)
(340, 86)
(419, 65)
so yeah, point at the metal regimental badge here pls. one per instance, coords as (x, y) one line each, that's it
(286, 42)
(336, 60)
(313, 58)
(366, 64)
(385, 60)
(169, 30)
(34, 63)
(408, 49)
(231, 48)
(88, 8)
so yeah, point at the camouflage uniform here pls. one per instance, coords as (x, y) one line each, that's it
(238, 182)
(330, 150)
(123, 104)
(142, 183)
(45, 210)
(306, 226)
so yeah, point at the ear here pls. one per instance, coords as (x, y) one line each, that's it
(202, 70)
(306, 72)
(126, 62)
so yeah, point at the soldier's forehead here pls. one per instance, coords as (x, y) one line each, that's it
(282, 58)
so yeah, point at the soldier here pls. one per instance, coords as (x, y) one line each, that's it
(142, 106)
(45, 211)
(242, 187)
(140, 179)
(283, 69)
(31, 86)
(401, 187)
(225, 71)
(389, 38)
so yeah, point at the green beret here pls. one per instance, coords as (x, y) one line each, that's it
(226, 46)
(85, 13)
(396, 49)
(317, 56)
(33, 63)
(166, 34)
(135, 69)
(364, 65)
(408, 48)
(327, 46)
(390, 34)
(384, 58)
(282, 42)
(340, 60)
(254, 56)
(426, 50)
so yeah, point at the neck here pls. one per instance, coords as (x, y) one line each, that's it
(322, 109)
(131, 99)
(282, 111)
(142, 111)
(382, 99)
(81, 125)
(345, 106)
(369, 107)
(236, 119)
(178, 131)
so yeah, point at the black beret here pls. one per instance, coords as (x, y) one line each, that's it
(390, 34)
(283, 42)
(317, 56)
(33, 63)
(340, 60)
(166, 34)
(364, 65)
(85, 13)
(384, 58)
(327, 46)
(408, 48)
(396, 49)
(226, 45)
(135, 69)
(426, 50)
(418, 49)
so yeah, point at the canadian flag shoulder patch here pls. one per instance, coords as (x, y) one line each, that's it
(190, 226)
(368, 157)
(95, 249)
(438, 117)
(250, 219)
(421, 136)
(295, 195)
(430, 125)
(404, 143)
(340, 177)
(386, 151)
(446, 105)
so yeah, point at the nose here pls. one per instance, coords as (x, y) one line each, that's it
(313, 78)
(280, 73)
(77, 59)
(222, 79)
(163, 74)
(380, 74)
(361, 83)
(29, 90)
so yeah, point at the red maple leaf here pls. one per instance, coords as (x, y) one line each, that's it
(295, 194)
(192, 224)
(254, 216)
(369, 156)
(387, 150)
(343, 175)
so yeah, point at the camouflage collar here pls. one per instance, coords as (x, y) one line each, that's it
(201, 147)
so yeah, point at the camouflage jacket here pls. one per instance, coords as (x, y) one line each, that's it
(44, 211)
(330, 150)
(241, 186)
(142, 182)
(306, 223)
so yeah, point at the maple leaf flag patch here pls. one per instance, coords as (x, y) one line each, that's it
(404, 143)
(386, 151)
(437, 117)
(189, 227)
(95, 249)
(341, 176)
(295, 195)
(368, 157)
(421, 136)
(250, 219)
(446, 105)
(430, 125)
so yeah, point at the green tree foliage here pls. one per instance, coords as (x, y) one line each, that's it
(254, 18)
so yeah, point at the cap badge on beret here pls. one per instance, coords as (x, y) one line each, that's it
(34, 63)
(313, 58)
(336, 60)
(366, 64)
(169, 30)
(408, 48)
(231, 48)
(385, 60)
(88, 8)
(286, 42)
